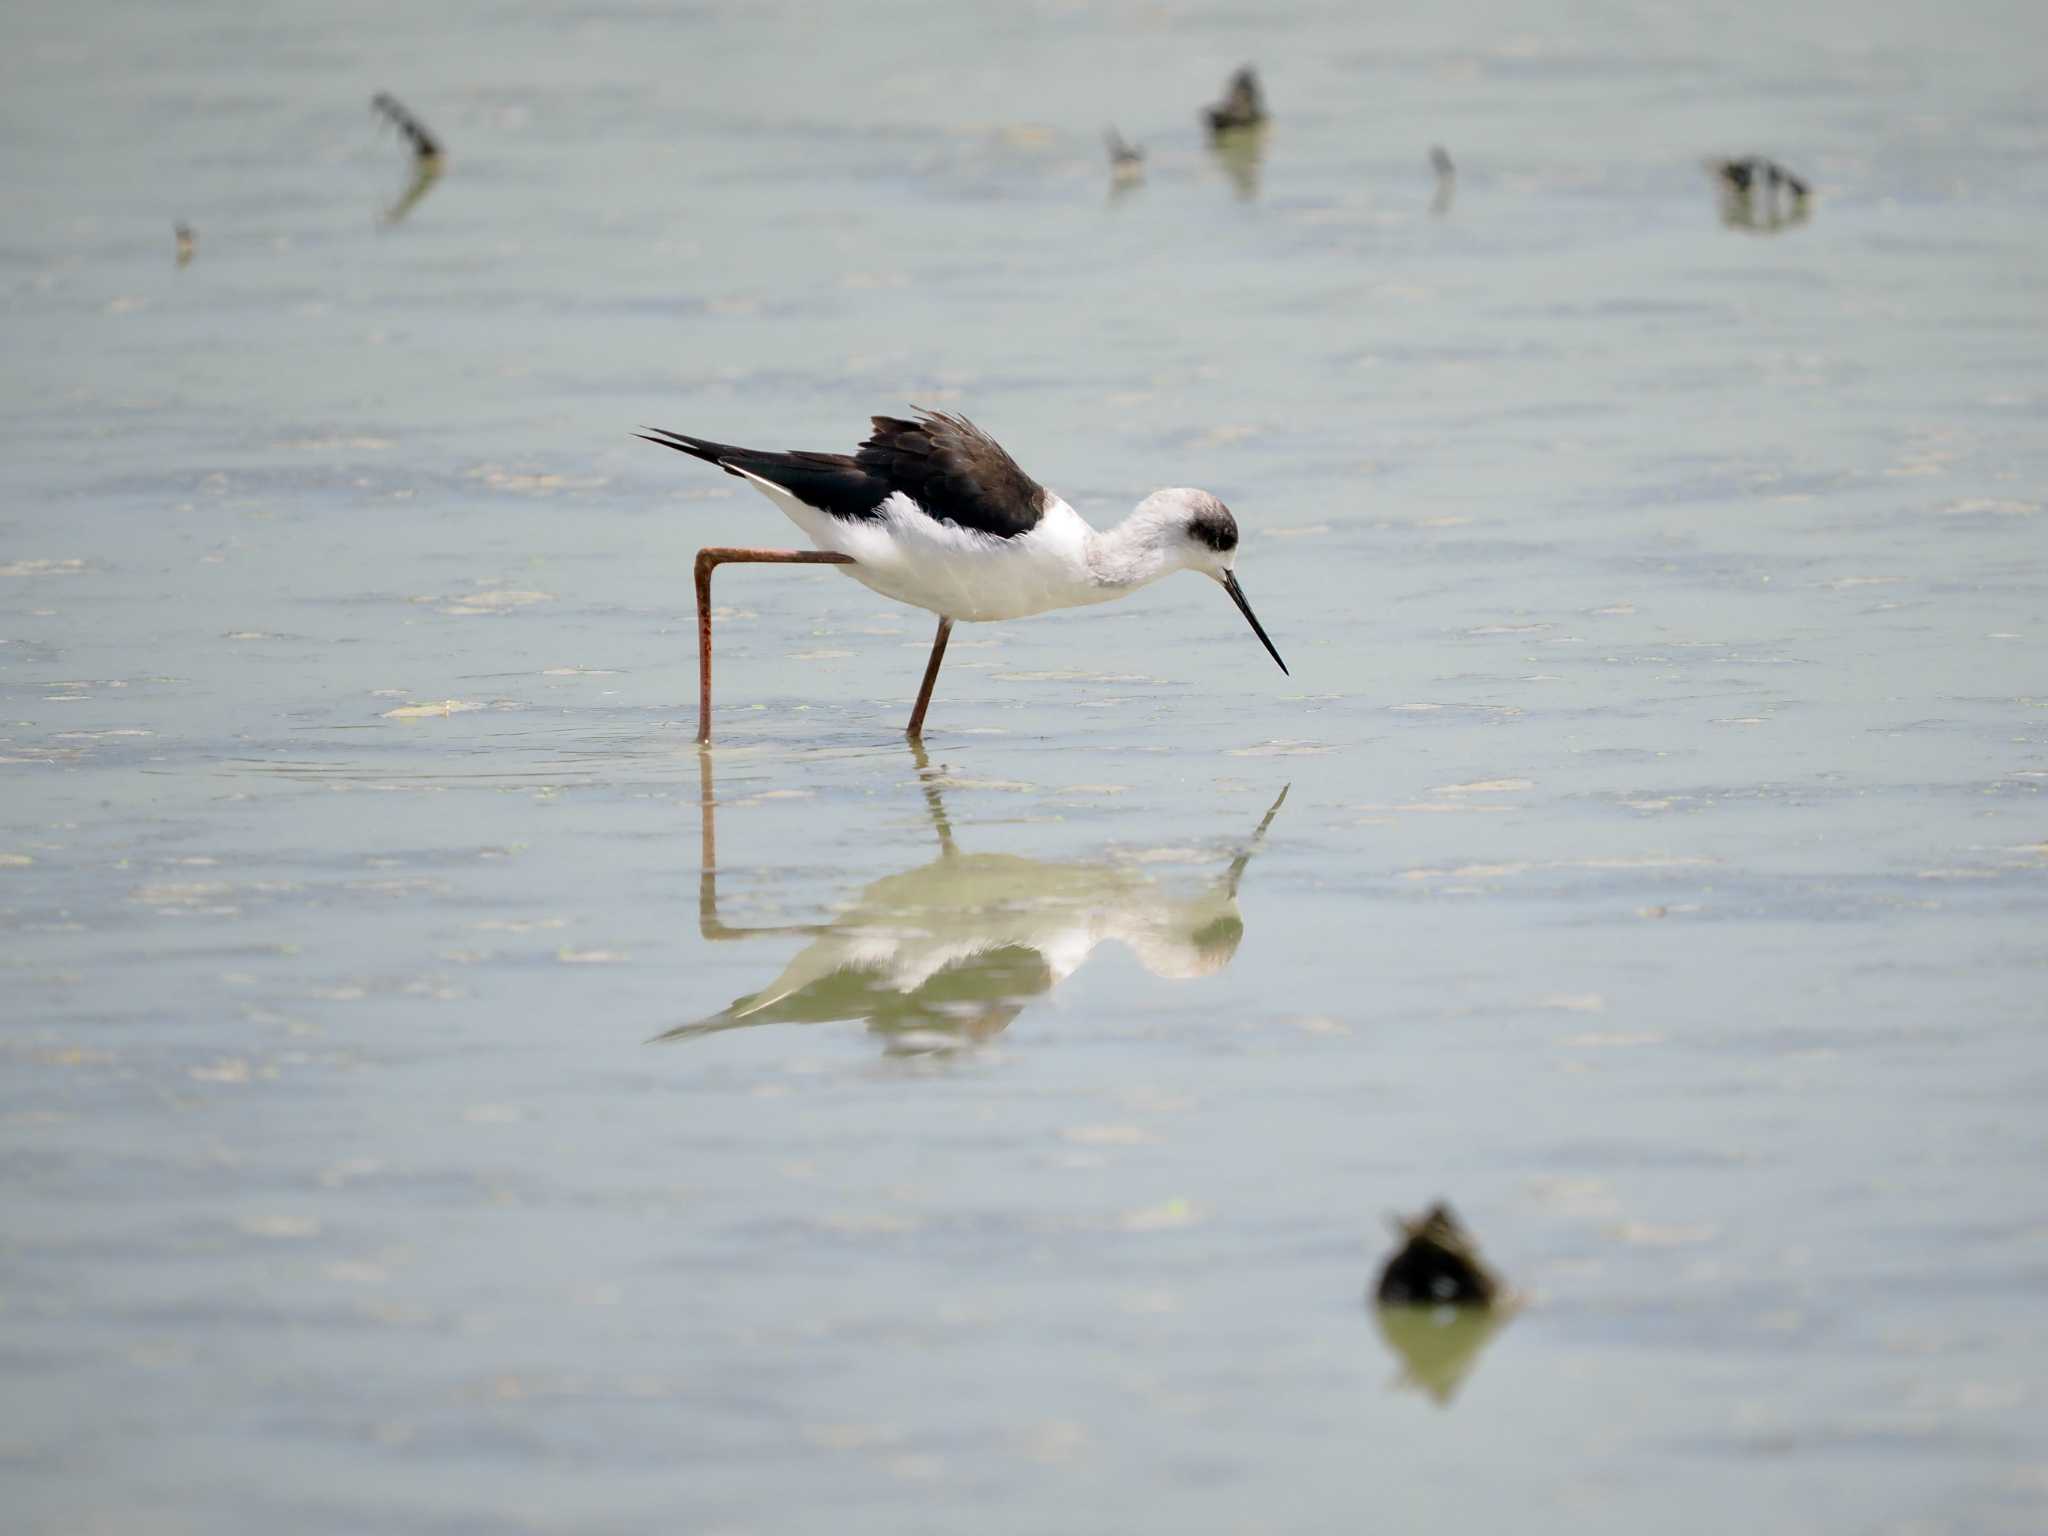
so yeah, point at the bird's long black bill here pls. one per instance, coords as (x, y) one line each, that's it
(1237, 596)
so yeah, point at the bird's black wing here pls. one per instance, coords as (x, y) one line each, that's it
(831, 482)
(955, 471)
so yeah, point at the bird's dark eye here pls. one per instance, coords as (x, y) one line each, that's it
(1216, 528)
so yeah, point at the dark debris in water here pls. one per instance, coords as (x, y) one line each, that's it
(1438, 1264)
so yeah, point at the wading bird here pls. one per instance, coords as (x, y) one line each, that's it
(935, 514)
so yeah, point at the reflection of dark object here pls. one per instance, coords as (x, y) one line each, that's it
(950, 952)
(1438, 1346)
(424, 145)
(1446, 179)
(188, 245)
(1437, 1265)
(1243, 106)
(1126, 160)
(1759, 194)
(1241, 153)
(424, 174)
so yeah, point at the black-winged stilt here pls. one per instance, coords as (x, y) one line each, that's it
(935, 514)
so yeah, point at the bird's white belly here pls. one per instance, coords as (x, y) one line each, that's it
(1003, 580)
(952, 572)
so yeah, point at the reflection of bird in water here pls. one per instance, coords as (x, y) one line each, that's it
(1446, 179)
(1438, 1302)
(188, 244)
(1126, 161)
(1243, 106)
(950, 952)
(1759, 194)
(427, 160)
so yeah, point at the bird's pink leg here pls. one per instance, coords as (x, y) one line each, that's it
(931, 675)
(710, 559)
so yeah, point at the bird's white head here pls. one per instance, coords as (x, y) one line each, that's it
(1184, 529)
(1189, 529)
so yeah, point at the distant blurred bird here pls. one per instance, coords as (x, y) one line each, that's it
(1758, 193)
(1446, 179)
(1126, 160)
(424, 145)
(188, 245)
(1243, 105)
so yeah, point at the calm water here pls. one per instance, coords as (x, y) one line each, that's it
(1662, 874)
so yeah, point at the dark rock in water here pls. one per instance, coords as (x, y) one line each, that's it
(1437, 1265)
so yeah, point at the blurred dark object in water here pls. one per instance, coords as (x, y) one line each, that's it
(1759, 194)
(947, 954)
(1243, 106)
(424, 145)
(1126, 160)
(427, 158)
(1438, 1346)
(1438, 1265)
(1241, 154)
(1446, 179)
(188, 245)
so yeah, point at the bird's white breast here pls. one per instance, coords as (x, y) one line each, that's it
(953, 571)
(961, 574)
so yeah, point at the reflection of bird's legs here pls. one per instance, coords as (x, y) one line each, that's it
(1258, 838)
(709, 560)
(708, 923)
(933, 804)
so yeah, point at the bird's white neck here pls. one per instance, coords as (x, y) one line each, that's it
(1133, 554)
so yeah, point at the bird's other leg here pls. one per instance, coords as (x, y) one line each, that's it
(709, 560)
(931, 675)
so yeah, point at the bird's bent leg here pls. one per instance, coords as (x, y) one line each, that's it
(931, 675)
(707, 561)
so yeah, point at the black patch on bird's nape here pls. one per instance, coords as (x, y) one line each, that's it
(1214, 526)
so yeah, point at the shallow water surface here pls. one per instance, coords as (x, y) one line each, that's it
(438, 1097)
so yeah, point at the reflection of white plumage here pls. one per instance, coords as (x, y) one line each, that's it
(961, 945)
